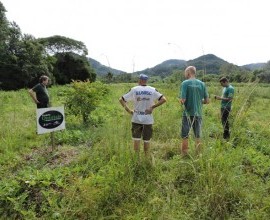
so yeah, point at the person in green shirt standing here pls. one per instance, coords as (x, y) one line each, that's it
(39, 92)
(226, 105)
(193, 94)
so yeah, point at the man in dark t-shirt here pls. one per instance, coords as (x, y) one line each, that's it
(39, 93)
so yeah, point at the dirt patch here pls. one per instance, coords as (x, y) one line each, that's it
(61, 156)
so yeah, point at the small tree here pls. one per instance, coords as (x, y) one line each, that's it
(85, 97)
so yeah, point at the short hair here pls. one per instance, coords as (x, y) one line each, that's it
(223, 79)
(43, 78)
(191, 69)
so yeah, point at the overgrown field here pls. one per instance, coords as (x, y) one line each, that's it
(94, 173)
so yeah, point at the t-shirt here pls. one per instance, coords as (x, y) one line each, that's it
(143, 98)
(41, 93)
(193, 91)
(228, 92)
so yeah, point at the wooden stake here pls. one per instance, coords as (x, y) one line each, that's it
(52, 141)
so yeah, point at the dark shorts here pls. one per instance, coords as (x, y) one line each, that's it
(193, 122)
(141, 131)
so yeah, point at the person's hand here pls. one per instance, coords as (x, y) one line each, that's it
(217, 97)
(128, 110)
(149, 111)
(182, 101)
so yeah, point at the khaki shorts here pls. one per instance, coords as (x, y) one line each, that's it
(141, 131)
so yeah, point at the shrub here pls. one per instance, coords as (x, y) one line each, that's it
(84, 98)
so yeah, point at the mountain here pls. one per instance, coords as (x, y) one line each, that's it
(101, 69)
(165, 68)
(209, 63)
(254, 66)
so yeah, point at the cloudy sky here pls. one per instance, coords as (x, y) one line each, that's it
(132, 35)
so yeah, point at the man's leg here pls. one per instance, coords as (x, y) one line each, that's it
(184, 146)
(186, 125)
(227, 125)
(198, 147)
(146, 147)
(197, 128)
(225, 122)
(136, 148)
(147, 135)
(136, 136)
(136, 145)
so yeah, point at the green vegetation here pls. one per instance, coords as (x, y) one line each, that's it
(84, 98)
(93, 174)
(23, 58)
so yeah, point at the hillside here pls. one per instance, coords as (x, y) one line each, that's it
(254, 66)
(210, 63)
(165, 68)
(101, 69)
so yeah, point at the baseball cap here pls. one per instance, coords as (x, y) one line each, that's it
(143, 77)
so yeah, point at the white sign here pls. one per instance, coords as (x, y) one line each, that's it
(50, 119)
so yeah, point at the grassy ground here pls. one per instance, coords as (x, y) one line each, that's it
(95, 175)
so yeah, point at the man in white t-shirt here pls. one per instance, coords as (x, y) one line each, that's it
(143, 98)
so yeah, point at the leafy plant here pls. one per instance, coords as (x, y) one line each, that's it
(85, 97)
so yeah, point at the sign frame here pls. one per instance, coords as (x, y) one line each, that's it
(50, 119)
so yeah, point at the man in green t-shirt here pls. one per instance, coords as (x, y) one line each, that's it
(193, 94)
(39, 92)
(226, 105)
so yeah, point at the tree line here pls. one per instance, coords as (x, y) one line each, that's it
(23, 58)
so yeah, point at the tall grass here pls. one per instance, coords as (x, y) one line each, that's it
(95, 174)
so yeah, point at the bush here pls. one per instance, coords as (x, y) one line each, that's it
(84, 98)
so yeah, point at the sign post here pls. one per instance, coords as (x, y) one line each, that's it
(50, 120)
(52, 141)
